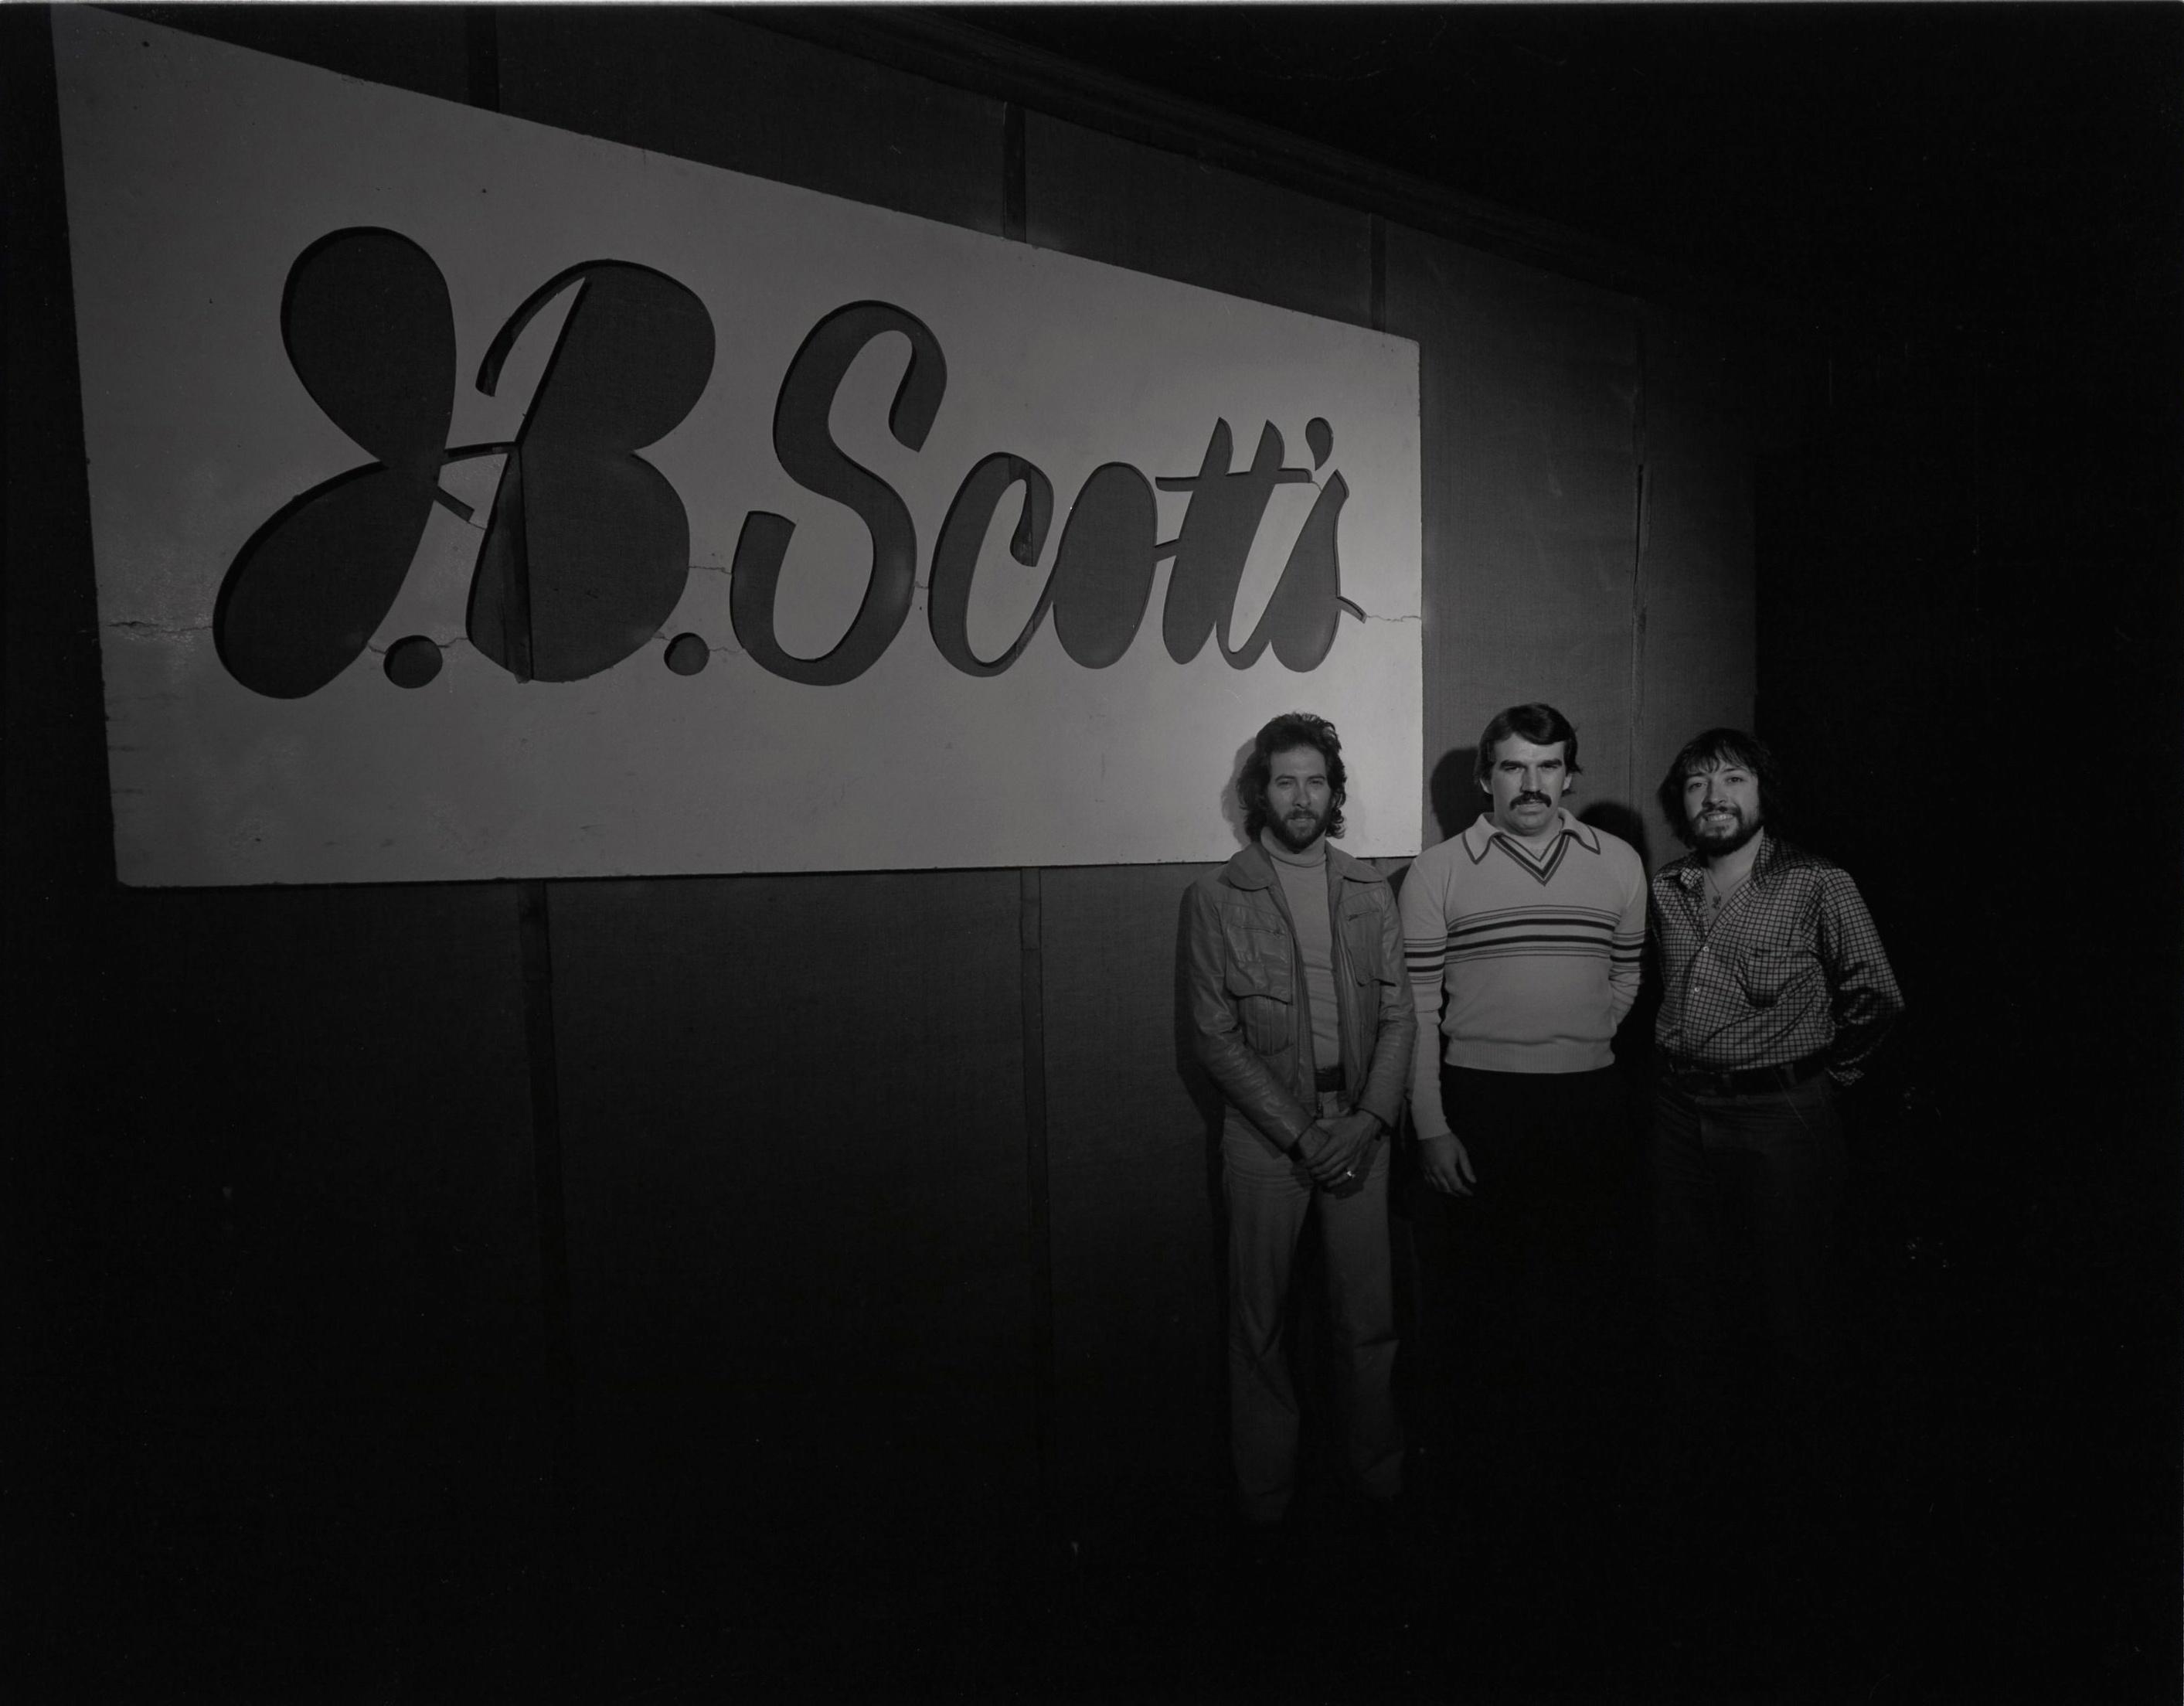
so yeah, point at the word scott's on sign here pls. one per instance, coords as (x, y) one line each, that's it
(586, 548)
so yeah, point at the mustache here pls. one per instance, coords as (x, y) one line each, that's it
(1531, 800)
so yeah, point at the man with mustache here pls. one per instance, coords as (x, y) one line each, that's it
(1293, 964)
(1524, 936)
(1776, 992)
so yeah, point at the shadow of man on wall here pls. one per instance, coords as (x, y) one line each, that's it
(1634, 1037)
(1206, 1098)
(1454, 792)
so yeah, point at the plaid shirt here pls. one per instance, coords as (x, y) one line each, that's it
(1791, 967)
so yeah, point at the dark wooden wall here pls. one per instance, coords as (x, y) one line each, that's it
(410, 1259)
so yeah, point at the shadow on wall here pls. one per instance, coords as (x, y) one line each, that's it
(1455, 791)
(1625, 821)
(1205, 1096)
(1232, 808)
(1634, 1037)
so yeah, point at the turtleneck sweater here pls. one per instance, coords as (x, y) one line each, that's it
(1304, 886)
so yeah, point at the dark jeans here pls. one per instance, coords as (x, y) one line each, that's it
(1526, 1302)
(1743, 1191)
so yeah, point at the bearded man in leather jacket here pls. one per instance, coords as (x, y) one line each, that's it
(1302, 1015)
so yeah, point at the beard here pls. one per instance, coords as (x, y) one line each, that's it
(1299, 830)
(1718, 838)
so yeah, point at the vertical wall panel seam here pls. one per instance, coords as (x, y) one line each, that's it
(482, 46)
(550, 1206)
(482, 51)
(1031, 973)
(534, 931)
(1377, 293)
(1031, 931)
(1014, 211)
(534, 936)
(1637, 560)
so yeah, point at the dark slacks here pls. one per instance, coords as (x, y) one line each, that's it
(1743, 1192)
(1527, 1303)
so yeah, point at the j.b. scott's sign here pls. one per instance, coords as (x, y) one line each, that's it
(473, 499)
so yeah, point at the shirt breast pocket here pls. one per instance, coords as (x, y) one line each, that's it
(1774, 975)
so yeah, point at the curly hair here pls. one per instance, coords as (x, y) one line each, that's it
(1540, 724)
(1290, 729)
(1713, 750)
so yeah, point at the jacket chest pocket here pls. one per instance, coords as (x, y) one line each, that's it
(1264, 990)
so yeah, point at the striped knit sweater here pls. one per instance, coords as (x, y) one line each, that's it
(1538, 953)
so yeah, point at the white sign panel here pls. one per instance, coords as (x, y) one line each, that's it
(474, 499)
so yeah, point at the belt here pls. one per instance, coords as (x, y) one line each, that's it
(1326, 1079)
(1745, 1080)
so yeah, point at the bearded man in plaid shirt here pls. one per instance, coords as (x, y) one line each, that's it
(1776, 992)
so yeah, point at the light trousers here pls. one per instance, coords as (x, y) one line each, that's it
(1269, 1196)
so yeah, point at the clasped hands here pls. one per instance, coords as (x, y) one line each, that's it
(1338, 1151)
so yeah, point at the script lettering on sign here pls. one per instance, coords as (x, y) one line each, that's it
(586, 551)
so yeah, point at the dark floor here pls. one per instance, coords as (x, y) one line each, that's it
(2009, 1531)
(2009, 1527)
(2010, 1534)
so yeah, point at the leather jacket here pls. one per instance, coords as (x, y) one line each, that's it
(1249, 1011)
